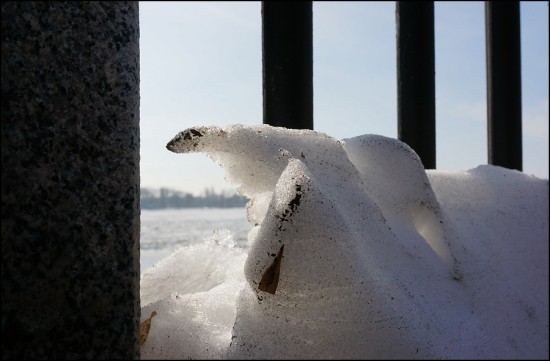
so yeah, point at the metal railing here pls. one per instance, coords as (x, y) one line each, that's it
(287, 32)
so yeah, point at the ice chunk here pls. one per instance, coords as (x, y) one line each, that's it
(193, 293)
(217, 259)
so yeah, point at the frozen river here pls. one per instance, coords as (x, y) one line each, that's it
(165, 230)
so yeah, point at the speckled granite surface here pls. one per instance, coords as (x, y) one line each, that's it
(70, 180)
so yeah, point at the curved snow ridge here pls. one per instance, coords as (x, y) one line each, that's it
(360, 253)
(254, 158)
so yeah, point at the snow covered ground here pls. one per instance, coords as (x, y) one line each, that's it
(356, 252)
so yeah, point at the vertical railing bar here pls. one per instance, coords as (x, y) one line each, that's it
(287, 52)
(416, 78)
(502, 23)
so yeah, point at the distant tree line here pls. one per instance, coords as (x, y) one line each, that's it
(170, 198)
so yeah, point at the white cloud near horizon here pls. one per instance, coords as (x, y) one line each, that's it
(535, 120)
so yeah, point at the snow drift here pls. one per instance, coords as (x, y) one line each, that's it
(357, 252)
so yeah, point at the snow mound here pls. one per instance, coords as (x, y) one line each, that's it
(357, 252)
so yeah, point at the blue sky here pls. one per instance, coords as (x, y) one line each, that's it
(201, 64)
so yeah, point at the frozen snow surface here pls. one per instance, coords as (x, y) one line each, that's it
(357, 252)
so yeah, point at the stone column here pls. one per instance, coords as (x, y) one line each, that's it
(70, 180)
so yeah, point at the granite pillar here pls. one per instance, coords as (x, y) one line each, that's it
(70, 180)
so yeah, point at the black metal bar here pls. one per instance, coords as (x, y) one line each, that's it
(287, 30)
(503, 83)
(416, 78)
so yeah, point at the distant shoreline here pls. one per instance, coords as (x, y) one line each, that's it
(164, 198)
(195, 207)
